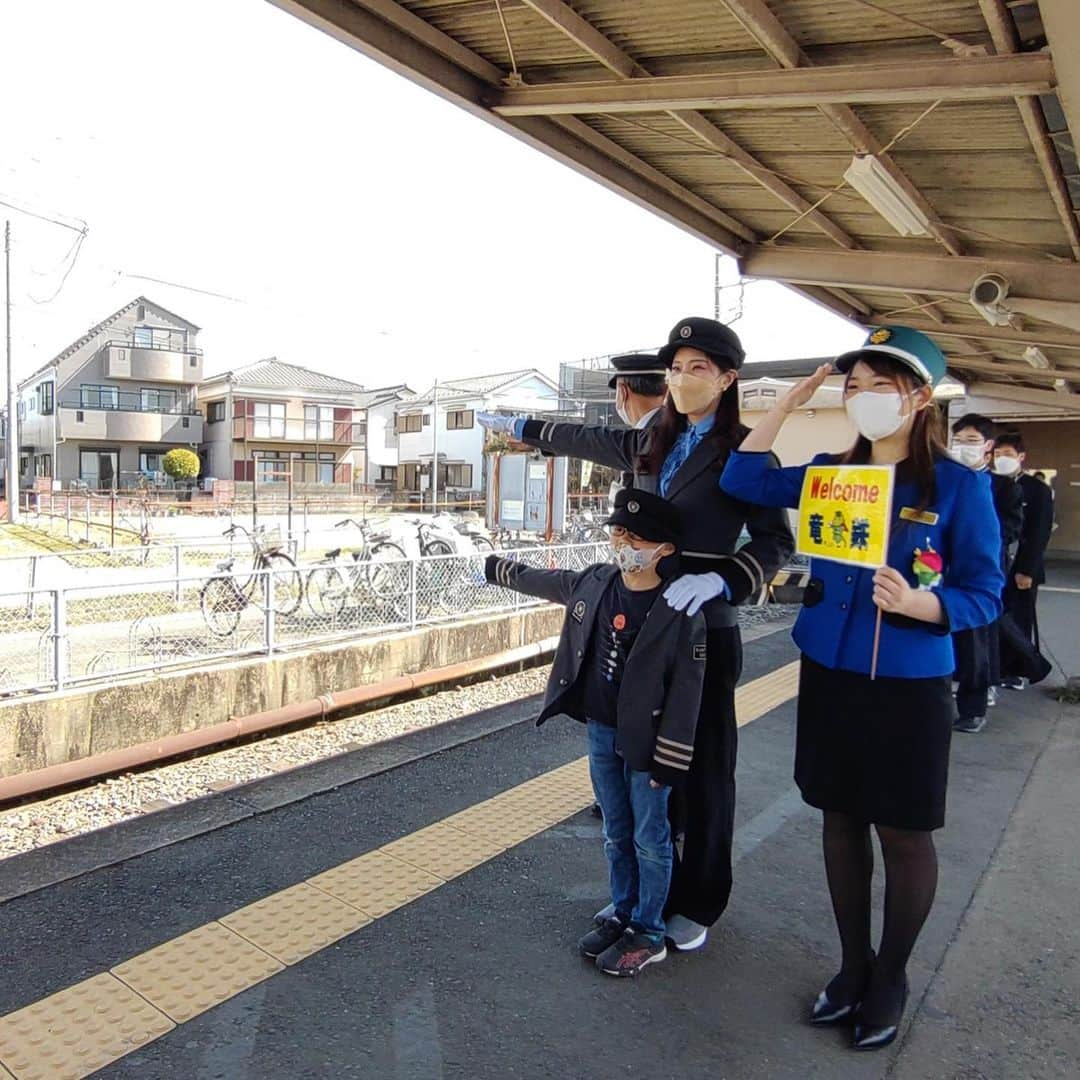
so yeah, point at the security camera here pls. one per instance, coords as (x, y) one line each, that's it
(987, 297)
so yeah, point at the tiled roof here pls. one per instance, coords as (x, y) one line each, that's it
(382, 393)
(95, 330)
(275, 374)
(479, 386)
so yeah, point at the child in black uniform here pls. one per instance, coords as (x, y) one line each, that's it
(631, 669)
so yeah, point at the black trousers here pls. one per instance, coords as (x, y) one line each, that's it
(1020, 604)
(703, 809)
(974, 669)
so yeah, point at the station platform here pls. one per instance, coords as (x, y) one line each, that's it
(410, 912)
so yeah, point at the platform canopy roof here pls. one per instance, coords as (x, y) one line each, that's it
(737, 120)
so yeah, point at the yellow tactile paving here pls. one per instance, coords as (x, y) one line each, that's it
(195, 972)
(78, 1031)
(763, 695)
(82, 1029)
(376, 883)
(296, 922)
(443, 850)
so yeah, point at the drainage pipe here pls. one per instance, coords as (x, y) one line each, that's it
(66, 773)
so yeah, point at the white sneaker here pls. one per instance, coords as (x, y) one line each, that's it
(685, 934)
(991, 696)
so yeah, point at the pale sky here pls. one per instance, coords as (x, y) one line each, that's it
(364, 226)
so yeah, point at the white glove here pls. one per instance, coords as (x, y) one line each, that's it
(497, 423)
(691, 591)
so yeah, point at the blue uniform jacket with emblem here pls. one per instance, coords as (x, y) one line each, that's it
(660, 695)
(836, 625)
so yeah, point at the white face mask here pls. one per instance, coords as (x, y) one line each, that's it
(875, 416)
(632, 560)
(624, 416)
(1007, 466)
(971, 454)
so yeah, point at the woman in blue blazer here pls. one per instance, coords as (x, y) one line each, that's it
(876, 751)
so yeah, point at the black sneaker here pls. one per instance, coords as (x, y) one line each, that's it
(602, 937)
(1016, 683)
(632, 952)
(970, 725)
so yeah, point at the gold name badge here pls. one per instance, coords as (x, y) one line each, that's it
(922, 517)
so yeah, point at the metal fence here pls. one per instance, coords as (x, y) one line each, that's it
(52, 639)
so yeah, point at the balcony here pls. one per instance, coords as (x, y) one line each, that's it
(124, 417)
(337, 433)
(151, 363)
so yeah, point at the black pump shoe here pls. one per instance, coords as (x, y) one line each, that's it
(827, 1012)
(872, 1037)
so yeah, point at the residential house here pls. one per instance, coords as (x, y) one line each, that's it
(459, 438)
(106, 410)
(270, 422)
(381, 453)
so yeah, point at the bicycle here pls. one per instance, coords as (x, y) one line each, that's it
(328, 590)
(223, 598)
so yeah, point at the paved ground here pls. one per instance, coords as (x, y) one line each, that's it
(479, 978)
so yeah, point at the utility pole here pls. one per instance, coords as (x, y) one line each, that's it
(435, 448)
(12, 487)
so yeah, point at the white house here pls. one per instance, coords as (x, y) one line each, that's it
(379, 407)
(459, 438)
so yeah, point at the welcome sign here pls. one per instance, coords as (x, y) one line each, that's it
(845, 513)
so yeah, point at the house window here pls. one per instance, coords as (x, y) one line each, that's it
(24, 464)
(410, 423)
(193, 361)
(150, 461)
(186, 422)
(153, 400)
(319, 423)
(271, 466)
(43, 465)
(269, 420)
(143, 337)
(45, 398)
(458, 476)
(459, 420)
(80, 417)
(387, 474)
(98, 397)
(159, 337)
(215, 412)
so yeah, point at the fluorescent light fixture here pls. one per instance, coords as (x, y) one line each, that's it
(1036, 358)
(874, 183)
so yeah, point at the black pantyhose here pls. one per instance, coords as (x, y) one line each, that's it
(910, 883)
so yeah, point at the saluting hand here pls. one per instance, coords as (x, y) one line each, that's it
(801, 393)
(892, 593)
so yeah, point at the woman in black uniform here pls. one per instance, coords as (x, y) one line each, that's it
(680, 456)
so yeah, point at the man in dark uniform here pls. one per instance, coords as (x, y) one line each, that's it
(978, 660)
(1028, 570)
(640, 385)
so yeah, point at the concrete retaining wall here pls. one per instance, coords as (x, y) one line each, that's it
(56, 728)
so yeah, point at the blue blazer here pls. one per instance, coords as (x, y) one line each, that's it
(836, 625)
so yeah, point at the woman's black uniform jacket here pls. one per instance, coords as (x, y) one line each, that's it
(712, 520)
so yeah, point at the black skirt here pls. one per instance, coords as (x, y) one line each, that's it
(878, 751)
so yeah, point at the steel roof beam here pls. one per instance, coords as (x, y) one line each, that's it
(953, 79)
(771, 34)
(1003, 335)
(592, 41)
(893, 272)
(1003, 34)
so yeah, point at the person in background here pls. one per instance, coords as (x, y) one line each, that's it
(1028, 570)
(631, 668)
(640, 385)
(874, 751)
(680, 456)
(978, 655)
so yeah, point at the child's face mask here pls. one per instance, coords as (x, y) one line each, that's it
(631, 560)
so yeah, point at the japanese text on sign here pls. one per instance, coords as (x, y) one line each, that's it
(845, 512)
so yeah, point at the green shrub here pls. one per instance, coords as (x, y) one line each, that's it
(181, 464)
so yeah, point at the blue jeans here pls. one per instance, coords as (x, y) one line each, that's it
(637, 836)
